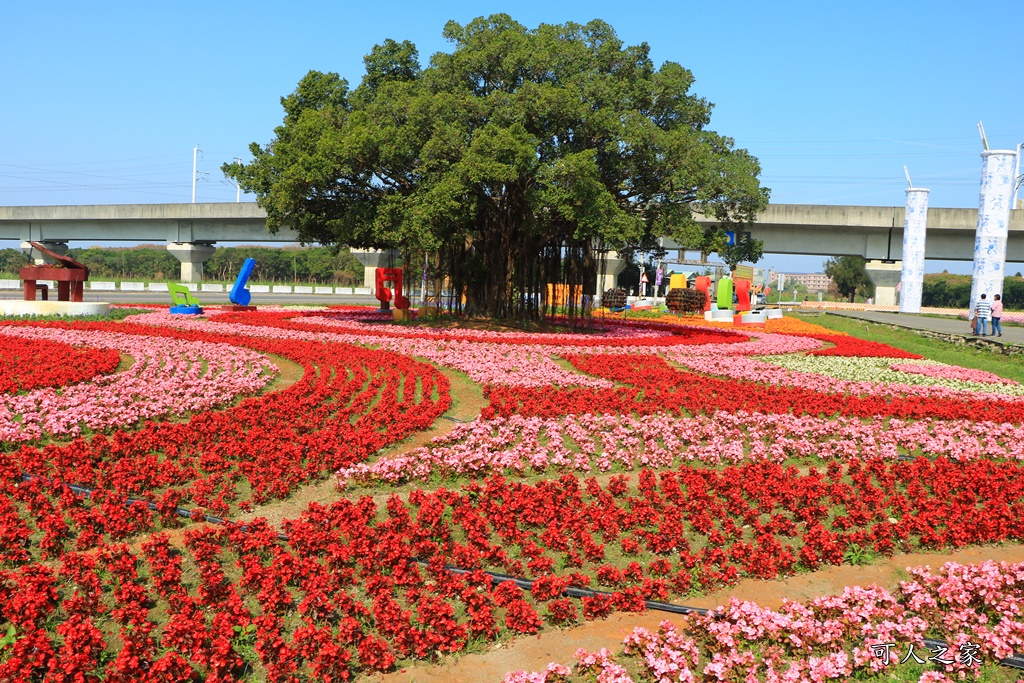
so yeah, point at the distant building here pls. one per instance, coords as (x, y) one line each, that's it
(814, 282)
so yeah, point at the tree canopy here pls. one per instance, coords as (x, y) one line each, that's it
(517, 159)
(850, 275)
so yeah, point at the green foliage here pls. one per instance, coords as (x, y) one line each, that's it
(244, 643)
(273, 264)
(743, 250)
(516, 141)
(9, 638)
(114, 314)
(850, 276)
(954, 291)
(12, 260)
(149, 262)
(857, 554)
(946, 291)
(1013, 293)
(629, 278)
(315, 264)
(794, 285)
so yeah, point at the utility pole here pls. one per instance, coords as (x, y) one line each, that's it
(195, 154)
(238, 186)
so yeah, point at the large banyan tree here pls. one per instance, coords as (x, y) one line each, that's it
(515, 161)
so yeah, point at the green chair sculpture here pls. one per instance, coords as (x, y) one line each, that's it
(184, 302)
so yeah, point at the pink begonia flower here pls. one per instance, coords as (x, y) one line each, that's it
(585, 443)
(491, 362)
(832, 637)
(167, 377)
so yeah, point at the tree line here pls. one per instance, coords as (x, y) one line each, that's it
(939, 290)
(152, 262)
(954, 291)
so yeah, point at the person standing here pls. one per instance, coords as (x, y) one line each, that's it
(983, 311)
(997, 314)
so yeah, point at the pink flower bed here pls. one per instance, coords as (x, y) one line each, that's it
(490, 362)
(167, 377)
(973, 608)
(586, 443)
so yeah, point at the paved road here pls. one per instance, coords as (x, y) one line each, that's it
(946, 325)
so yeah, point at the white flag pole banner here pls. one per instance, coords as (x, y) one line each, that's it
(997, 179)
(915, 223)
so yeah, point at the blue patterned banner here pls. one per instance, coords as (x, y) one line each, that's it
(997, 171)
(915, 224)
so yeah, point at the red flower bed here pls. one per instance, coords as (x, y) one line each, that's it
(845, 345)
(675, 335)
(358, 586)
(350, 403)
(342, 596)
(27, 364)
(652, 386)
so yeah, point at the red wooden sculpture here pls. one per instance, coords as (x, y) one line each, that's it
(69, 274)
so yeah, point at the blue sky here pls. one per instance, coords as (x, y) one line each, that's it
(103, 102)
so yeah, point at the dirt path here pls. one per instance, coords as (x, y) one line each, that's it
(533, 653)
(289, 372)
(467, 402)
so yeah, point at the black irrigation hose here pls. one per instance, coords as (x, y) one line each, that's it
(87, 493)
(1014, 661)
(525, 584)
(572, 592)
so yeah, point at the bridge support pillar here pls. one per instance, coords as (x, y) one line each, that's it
(884, 276)
(192, 256)
(39, 258)
(613, 266)
(372, 259)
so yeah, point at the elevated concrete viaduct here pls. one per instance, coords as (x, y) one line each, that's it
(874, 232)
(191, 230)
